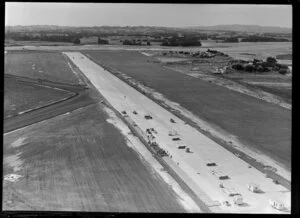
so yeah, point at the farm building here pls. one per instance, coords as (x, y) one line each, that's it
(89, 40)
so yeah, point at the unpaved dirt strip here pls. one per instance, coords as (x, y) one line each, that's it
(124, 98)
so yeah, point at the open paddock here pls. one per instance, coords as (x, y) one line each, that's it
(22, 96)
(51, 66)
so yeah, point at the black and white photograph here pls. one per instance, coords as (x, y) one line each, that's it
(147, 108)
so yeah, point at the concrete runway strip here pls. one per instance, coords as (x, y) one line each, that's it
(203, 150)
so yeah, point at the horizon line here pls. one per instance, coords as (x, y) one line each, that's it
(146, 25)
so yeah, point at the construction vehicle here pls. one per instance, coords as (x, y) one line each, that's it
(173, 133)
(211, 164)
(188, 150)
(153, 130)
(230, 192)
(276, 204)
(226, 203)
(172, 121)
(253, 187)
(238, 199)
(220, 175)
(148, 117)
(233, 194)
(224, 177)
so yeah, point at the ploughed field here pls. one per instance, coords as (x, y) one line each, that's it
(261, 125)
(44, 65)
(80, 162)
(20, 96)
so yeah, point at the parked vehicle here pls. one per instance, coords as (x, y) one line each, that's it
(253, 187)
(148, 117)
(238, 200)
(276, 204)
(211, 164)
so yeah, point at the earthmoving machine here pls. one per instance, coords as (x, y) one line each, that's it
(148, 117)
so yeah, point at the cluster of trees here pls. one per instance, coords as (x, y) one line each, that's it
(263, 39)
(181, 42)
(261, 66)
(134, 42)
(232, 39)
(102, 41)
(254, 38)
(40, 37)
(52, 37)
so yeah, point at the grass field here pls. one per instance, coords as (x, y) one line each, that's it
(269, 82)
(21, 96)
(40, 65)
(260, 49)
(262, 125)
(80, 162)
(285, 57)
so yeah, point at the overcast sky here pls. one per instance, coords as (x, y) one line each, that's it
(169, 15)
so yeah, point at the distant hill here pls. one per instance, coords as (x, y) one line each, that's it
(151, 29)
(244, 28)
